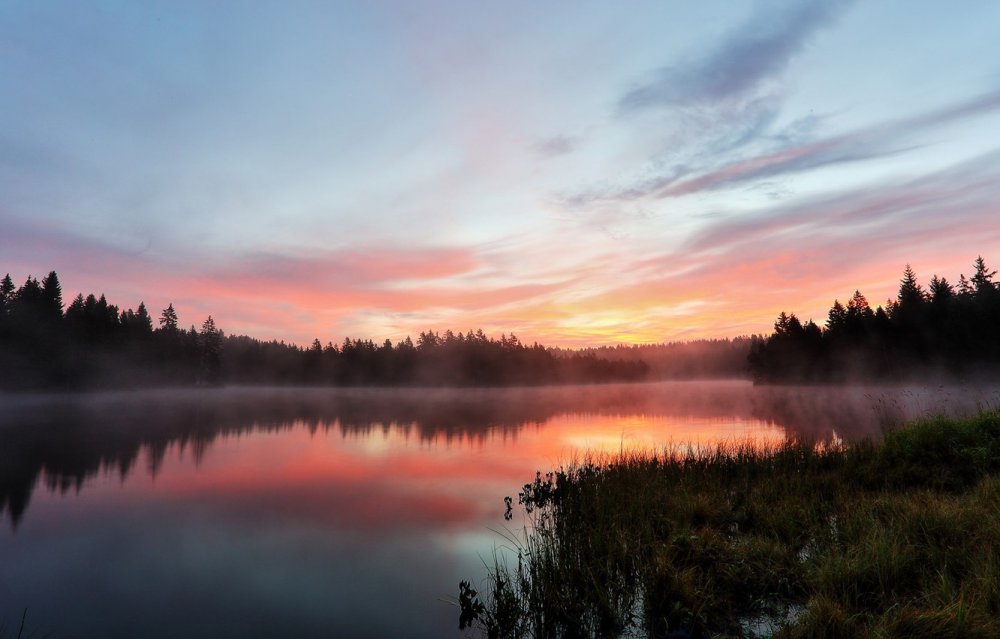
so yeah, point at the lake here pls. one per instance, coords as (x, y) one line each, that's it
(249, 512)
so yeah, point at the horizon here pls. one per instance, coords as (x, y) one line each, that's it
(440, 331)
(581, 179)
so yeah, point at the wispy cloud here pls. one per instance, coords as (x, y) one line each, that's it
(739, 271)
(556, 145)
(757, 51)
(374, 267)
(933, 203)
(887, 138)
(795, 153)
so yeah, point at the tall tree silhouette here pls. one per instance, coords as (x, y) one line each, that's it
(7, 290)
(52, 296)
(210, 341)
(982, 279)
(168, 319)
(917, 334)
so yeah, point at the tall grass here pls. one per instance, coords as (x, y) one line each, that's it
(892, 538)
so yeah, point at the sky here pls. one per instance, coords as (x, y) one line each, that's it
(577, 173)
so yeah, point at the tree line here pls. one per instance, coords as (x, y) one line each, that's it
(96, 344)
(724, 358)
(947, 329)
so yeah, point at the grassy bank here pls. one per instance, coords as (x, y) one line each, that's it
(892, 538)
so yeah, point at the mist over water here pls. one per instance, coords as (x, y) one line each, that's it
(348, 512)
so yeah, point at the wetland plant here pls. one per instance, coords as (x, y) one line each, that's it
(889, 538)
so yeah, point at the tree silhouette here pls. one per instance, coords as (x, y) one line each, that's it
(210, 341)
(982, 280)
(910, 292)
(917, 334)
(7, 290)
(52, 296)
(143, 321)
(168, 319)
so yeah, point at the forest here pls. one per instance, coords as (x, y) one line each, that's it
(720, 358)
(944, 331)
(96, 344)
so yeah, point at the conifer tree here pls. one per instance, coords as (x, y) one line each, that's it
(982, 279)
(210, 342)
(941, 291)
(7, 290)
(168, 320)
(837, 317)
(910, 292)
(143, 323)
(52, 296)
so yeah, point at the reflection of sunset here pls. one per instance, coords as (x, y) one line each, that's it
(327, 454)
(390, 477)
(608, 434)
(271, 497)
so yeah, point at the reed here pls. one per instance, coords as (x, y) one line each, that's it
(893, 537)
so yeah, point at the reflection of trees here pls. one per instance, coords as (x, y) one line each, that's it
(68, 439)
(854, 412)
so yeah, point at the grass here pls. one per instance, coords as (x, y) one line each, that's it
(898, 537)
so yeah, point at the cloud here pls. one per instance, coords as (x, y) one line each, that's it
(556, 146)
(884, 139)
(357, 268)
(737, 273)
(935, 202)
(757, 51)
(793, 155)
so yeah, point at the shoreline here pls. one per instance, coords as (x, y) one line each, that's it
(887, 537)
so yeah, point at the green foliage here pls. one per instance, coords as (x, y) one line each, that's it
(899, 537)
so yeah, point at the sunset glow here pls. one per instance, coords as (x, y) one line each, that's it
(578, 177)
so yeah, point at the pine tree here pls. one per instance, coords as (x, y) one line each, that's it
(910, 293)
(964, 287)
(210, 335)
(168, 320)
(52, 295)
(7, 290)
(941, 291)
(858, 307)
(210, 343)
(982, 280)
(27, 303)
(837, 317)
(75, 310)
(143, 322)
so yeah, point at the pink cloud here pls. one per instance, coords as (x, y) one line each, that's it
(731, 277)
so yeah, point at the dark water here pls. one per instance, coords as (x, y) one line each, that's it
(318, 513)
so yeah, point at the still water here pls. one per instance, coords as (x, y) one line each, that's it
(331, 513)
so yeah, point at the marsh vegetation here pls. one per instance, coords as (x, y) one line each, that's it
(890, 538)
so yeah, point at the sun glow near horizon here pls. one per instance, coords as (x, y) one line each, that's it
(587, 178)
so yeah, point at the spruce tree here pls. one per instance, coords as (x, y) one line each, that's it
(168, 320)
(52, 296)
(143, 323)
(910, 292)
(982, 280)
(7, 290)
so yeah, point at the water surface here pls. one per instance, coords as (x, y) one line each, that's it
(335, 513)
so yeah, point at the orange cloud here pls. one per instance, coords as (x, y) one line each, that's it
(562, 286)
